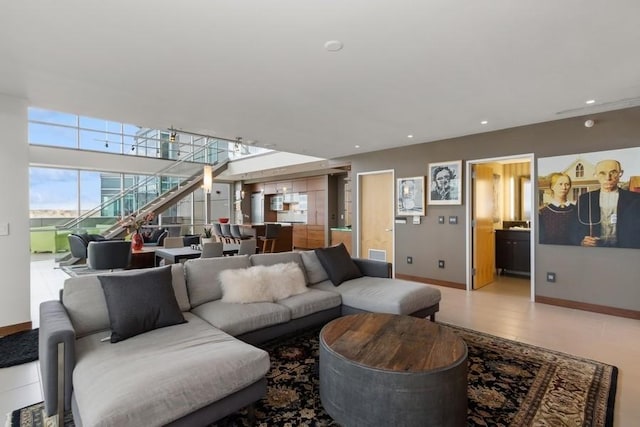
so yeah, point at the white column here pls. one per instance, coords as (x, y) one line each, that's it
(14, 211)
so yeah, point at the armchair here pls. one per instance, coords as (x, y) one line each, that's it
(78, 244)
(110, 254)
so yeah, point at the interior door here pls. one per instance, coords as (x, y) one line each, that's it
(376, 215)
(483, 234)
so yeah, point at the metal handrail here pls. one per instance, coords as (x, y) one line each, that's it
(76, 221)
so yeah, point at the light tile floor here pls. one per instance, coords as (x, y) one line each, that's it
(502, 308)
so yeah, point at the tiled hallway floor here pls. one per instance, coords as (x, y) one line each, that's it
(502, 308)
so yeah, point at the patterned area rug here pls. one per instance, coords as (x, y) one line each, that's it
(510, 384)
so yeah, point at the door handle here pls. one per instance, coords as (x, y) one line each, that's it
(388, 229)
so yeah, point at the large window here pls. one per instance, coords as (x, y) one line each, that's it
(58, 129)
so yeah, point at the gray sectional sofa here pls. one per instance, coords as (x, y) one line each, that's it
(204, 366)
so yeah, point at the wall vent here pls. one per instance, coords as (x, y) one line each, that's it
(378, 254)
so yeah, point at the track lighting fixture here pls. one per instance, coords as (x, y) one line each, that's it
(172, 135)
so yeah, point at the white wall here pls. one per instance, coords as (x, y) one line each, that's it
(14, 209)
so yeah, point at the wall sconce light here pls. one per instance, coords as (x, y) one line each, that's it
(242, 195)
(208, 179)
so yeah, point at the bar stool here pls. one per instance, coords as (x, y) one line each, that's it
(271, 232)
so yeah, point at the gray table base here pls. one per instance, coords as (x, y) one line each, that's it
(356, 395)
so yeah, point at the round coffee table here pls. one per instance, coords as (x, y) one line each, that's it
(385, 369)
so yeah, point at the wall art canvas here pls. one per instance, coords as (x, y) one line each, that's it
(590, 199)
(445, 183)
(410, 195)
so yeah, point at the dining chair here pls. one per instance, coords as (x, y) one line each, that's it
(248, 247)
(226, 232)
(212, 250)
(236, 233)
(217, 231)
(173, 242)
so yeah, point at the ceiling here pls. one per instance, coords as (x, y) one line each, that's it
(258, 69)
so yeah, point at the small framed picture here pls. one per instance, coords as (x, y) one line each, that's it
(410, 196)
(445, 183)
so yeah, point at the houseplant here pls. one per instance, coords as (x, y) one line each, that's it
(207, 236)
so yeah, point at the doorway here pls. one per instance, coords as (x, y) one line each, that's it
(500, 198)
(375, 236)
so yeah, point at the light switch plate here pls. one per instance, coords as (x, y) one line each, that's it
(4, 228)
(416, 219)
(441, 219)
(453, 219)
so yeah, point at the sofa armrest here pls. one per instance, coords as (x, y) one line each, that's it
(56, 329)
(373, 268)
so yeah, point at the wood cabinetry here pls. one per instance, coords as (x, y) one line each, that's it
(513, 250)
(342, 236)
(316, 207)
(299, 186)
(308, 236)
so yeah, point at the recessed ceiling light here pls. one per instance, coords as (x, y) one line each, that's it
(591, 101)
(409, 136)
(333, 45)
(484, 122)
(356, 146)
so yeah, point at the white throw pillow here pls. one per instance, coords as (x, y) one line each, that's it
(262, 283)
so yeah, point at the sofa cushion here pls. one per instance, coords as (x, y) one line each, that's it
(83, 299)
(158, 377)
(279, 258)
(202, 278)
(236, 319)
(338, 264)
(315, 271)
(382, 295)
(262, 283)
(311, 302)
(140, 302)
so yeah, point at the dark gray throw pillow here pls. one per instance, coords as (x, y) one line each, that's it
(338, 264)
(140, 302)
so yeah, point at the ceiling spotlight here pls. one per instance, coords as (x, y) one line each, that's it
(589, 123)
(333, 45)
(409, 136)
(356, 146)
(484, 122)
(591, 101)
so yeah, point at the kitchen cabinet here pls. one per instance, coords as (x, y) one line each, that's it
(308, 236)
(341, 235)
(513, 250)
(277, 203)
(316, 207)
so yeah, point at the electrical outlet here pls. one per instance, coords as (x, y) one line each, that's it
(440, 263)
(551, 277)
(453, 219)
(409, 260)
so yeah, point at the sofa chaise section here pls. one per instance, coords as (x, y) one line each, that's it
(185, 374)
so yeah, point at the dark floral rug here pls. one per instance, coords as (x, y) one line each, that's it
(510, 384)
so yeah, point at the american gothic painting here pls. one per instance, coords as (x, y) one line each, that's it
(590, 199)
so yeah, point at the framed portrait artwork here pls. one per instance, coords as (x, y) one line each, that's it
(445, 183)
(410, 196)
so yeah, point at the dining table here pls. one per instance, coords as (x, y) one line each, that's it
(175, 255)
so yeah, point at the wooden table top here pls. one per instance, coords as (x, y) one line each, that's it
(392, 342)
